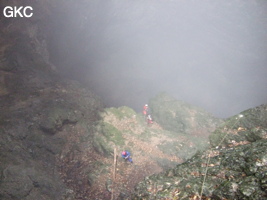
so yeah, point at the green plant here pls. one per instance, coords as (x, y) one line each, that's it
(112, 134)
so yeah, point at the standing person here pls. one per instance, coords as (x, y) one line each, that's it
(126, 155)
(149, 119)
(145, 110)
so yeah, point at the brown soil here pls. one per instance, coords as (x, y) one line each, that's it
(76, 164)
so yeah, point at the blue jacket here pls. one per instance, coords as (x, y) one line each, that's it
(127, 155)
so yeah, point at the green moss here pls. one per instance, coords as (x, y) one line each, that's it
(122, 112)
(251, 136)
(107, 133)
(170, 148)
(115, 112)
(112, 134)
(176, 116)
(128, 112)
(216, 137)
(145, 135)
(100, 145)
(88, 131)
(251, 130)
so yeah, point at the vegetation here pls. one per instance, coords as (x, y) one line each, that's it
(112, 134)
(178, 116)
(121, 112)
(145, 135)
(235, 170)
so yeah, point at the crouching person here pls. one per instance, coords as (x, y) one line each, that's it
(126, 155)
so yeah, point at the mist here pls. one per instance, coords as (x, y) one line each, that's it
(212, 54)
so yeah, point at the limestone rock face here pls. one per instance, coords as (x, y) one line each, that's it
(234, 167)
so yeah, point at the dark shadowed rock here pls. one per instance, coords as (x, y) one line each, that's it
(45, 121)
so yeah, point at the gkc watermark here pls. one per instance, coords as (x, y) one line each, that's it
(15, 11)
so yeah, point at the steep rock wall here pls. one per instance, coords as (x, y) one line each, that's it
(234, 167)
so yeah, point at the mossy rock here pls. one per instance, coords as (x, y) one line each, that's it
(101, 145)
(106, 138)
(233, 172)
(56, 116)
(165, 163)
(249, 125)
(112, 134)
(178, 116)
(216, 137)
(122, 112)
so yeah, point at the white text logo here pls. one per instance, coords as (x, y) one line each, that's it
(18, 12)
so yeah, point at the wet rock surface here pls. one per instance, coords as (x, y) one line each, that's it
(231, 170)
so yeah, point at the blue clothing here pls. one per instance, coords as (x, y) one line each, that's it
(127, 156)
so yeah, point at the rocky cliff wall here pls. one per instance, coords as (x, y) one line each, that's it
(44, 118)
(234, 167)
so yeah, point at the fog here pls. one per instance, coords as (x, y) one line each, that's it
(212, 54)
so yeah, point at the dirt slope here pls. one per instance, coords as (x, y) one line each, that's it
(150, 146)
